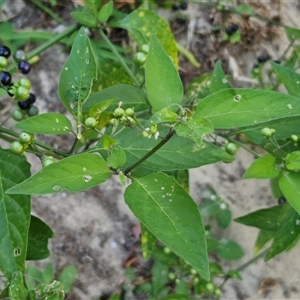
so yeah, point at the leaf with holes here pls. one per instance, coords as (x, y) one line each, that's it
(218, 80)
(158, 201)
(78, 73)
(75, 173)
(14, 214)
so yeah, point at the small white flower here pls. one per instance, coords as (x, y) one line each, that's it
(156, 135)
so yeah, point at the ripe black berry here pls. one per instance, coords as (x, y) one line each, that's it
(261, 59)
(4, 51)
(281, 200)
(5, 78)
(234, 27)
(175, 7)
(180, 20)
(24, 67)
(183, 5)
(24, 104)
(229, 30)
(31, 99)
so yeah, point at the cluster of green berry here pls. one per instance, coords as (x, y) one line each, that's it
(125, 117)
(25, 139)
(19, 90)
(141, 56)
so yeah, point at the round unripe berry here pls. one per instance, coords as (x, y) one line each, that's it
(24, 105)
(25, 83)
(19, 55)
(294, 138)
(129, 112)
(25, 137)
(145, 134)
(18, 115)
(17, 147)
(267, 132)
(153, 129)
(145, 48)
(231, 148)
(48, 161)
(5, 78)
(217, 292)
(172, 276)
(209, 286)
(119, 112)
(140, 58)
(24, 67)
(281, 200)
(3, 62)
(167, 250)
(22, 93)
(33, 111)
(4, 51)
(90, 122)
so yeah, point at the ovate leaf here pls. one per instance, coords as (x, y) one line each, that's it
(263, 167)
(49, 123)
(78, 73)
(289, 184)
(171, 215)
(14, 214)
(75, 173)
(229, 249)
(262, 238)
(163, 84)
(218, 79)
(287, 232)
(38, 236)
(85, 17)
(17, 289)
(292, 161)
(289, 78)
(105, 12)
(231, 108)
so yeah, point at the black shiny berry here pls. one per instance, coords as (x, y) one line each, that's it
(31, 99)
(229, 31)
(175, 6)
(281, 200)
(24, 104)
(5, 78)
(24, 67)
(183, 6)
(180, 20)
(235, 27)
(4, 51)
(261, 59)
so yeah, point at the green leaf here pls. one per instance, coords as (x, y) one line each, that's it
(245, 107)
(166, 115)
(234, 274)
(178, 154)
(199, 88)
(287, 232)
(266, 219)
(292, 161)
(175, 297)
(17, 290)
(14, 214)
(117, 156)
(158, 201)
(75, 173)
(159, 276)
(229, 250)
(262, 168)
(235, 37)
(195, 129)
(67, 277)
(292, 32)
(78, 73)
(289, 184)
(142, 23)
(163, 84)
(105, 12)
(148, 241)
(129, 95)
(223, 217)
(289, 78)
(53, 291)
(85, 16)
(262, 238)
(48, 123)
(218, 79)
(244, 9)
(38, 236)
(48, 273)
(96, 109)
(94, 5)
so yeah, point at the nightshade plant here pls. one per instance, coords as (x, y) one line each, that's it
(136, 123)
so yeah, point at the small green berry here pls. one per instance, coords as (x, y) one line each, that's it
(17, 147)
(18, 115)
(25, 83)
(140, 58)
(129, 112)
(48, 161)
(21, 93)
(145, 48)
(193, 271)
(119, 112)
(294, 138)
(90, 122)
(145, 134)
(267, 132)
(172, 276)
(153, 129)
(217, 292)
(19, 55)
(26, 137)
(231, 148)
(33, 111)
(210, 286)
(167, 250)
(3, 62)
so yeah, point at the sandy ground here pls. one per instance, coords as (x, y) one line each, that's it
(93, 229)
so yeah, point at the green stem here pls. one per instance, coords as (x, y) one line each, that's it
(53, 41)
(40, 144)
(151, 152)
(48, 11)
(106, 39)
(246, 264)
